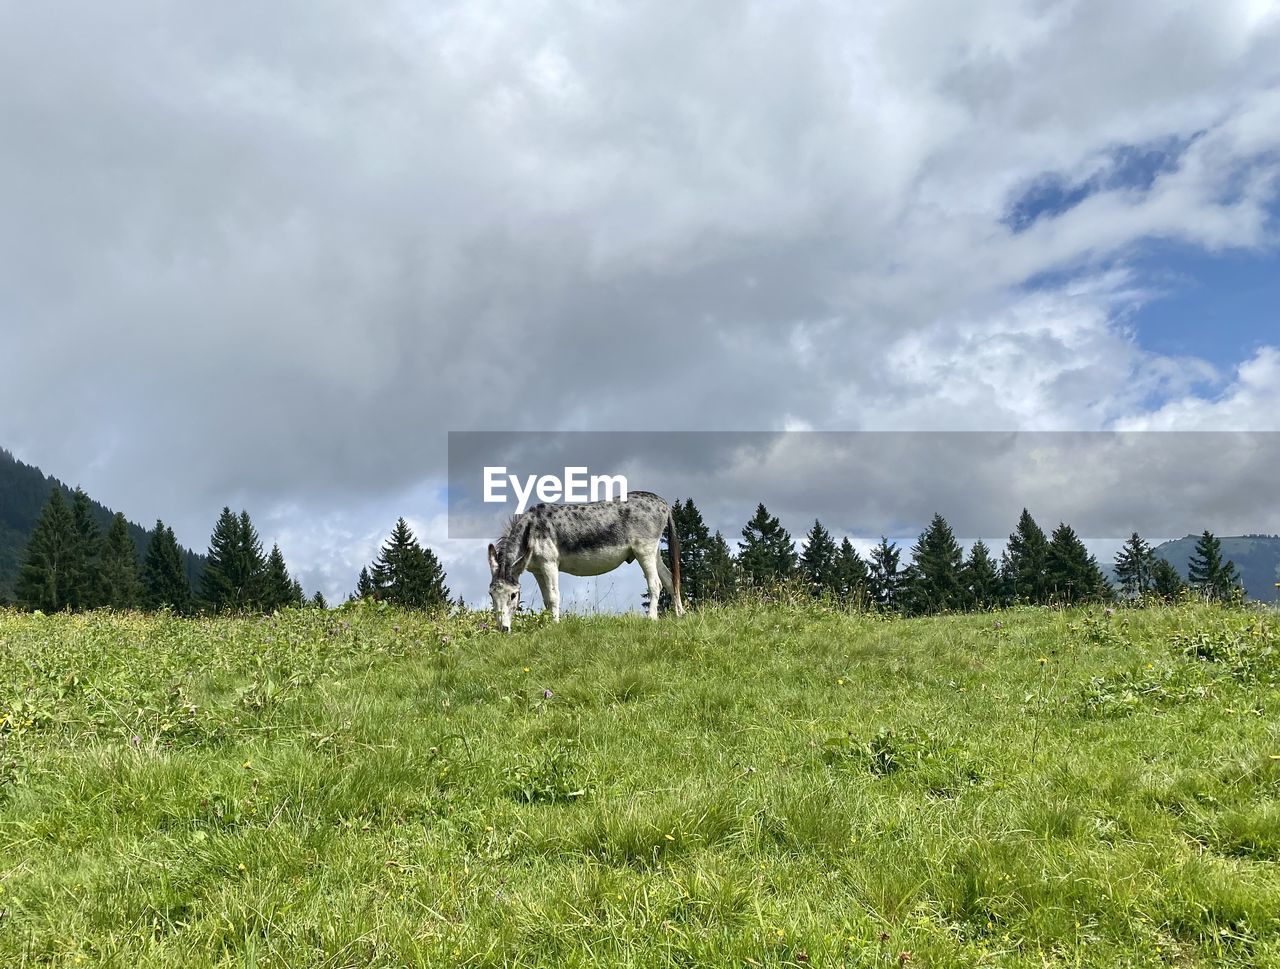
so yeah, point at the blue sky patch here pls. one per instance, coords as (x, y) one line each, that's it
(1132, 167)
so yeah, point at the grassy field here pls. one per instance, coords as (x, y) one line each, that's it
(756, 786)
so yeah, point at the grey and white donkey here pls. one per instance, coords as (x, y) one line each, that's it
(583, 539)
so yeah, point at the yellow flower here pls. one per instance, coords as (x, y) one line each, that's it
(1043, 660)
(526, 669)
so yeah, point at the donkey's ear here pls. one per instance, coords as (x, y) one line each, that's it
(493, 559)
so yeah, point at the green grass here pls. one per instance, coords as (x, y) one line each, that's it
(755, 786)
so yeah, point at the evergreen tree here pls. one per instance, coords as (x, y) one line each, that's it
(406, 574)
(722, 571)
(937, 560)
(164, 575)
(252, 563)
(767, 555)
(885, 576)
(1208, 574)
(318, 601)
(296, 596)
(235, 575)
(1073, 574)
(49, 571)
(86, 585)
(981, 578)
(819, 562)
(1165, 580)
(365, 588)
(853, 579)
(277, 588)
(120, 585)
(1135, 564)
(695, 545)
(1024, 565)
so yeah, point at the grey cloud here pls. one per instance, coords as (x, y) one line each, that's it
(269, 255)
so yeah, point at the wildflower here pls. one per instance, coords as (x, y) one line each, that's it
(526, 669)
(997, 624)
(1043, 660)
(840, 682)
(547, 694)
(135, 740)
(1108, 611)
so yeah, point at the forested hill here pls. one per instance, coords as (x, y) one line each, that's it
(1257, 558)
(23, 492)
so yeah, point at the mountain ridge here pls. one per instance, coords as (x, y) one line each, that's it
(24, 489)
(1257, 558)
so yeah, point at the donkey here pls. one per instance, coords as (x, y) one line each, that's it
(583, 539)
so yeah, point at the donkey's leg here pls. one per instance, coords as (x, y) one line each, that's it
(544, 586)
(668, 583)
(553, 593)
(649, 563)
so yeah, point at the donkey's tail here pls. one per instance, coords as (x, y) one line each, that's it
(673, 545)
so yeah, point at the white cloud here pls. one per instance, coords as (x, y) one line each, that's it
(267, 256)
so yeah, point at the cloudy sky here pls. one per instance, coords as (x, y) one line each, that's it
(269, 255)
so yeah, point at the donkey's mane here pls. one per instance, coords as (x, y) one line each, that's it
(509, 535)
(508, 545)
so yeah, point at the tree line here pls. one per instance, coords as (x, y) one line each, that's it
(1035, 567)
(70, 564)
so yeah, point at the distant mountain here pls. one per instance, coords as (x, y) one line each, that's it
(23, 492)
(1257, 559)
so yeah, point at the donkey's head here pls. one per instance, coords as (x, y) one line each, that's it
(507, 559)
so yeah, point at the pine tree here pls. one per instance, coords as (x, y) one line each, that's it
(885, 575)
(277, 588)
(819, 561)
(695, 543)
(981, 578)
(220, 586)
(297, 597)
(1165, 580)
(1024, 565)
(86, 585)
(365, 588)
(722, 572)
(318, 601)
(253, 564)
(937, 560)
(120, 586)
(1073, 574)
(164, 575)
(766, 555)
(1135, 564)
(47, 577)
(853, 579)
(406, 574)
(1208, 574)
(235, 574)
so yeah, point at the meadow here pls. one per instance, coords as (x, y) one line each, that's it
(757, 785)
